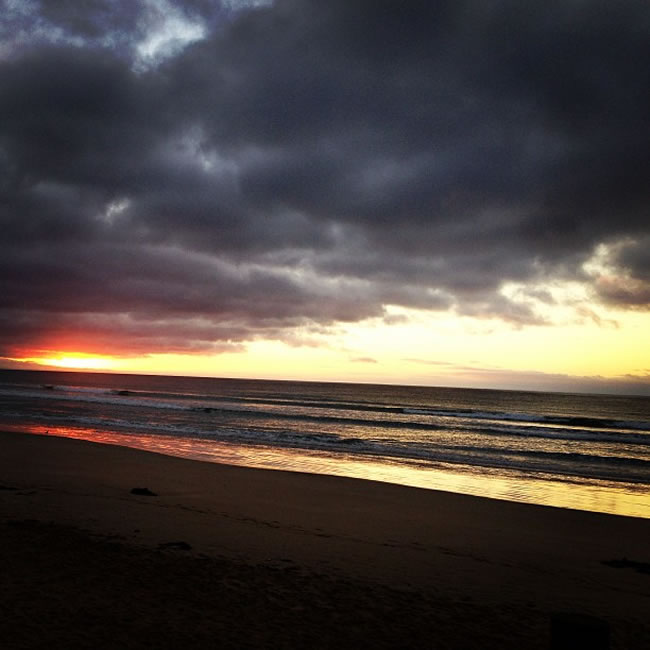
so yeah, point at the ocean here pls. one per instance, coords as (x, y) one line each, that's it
(585, 452)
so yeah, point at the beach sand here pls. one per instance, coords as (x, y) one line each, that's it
(233, 557)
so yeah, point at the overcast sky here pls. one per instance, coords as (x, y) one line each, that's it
(192, 177)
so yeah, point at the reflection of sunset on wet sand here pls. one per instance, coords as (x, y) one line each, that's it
(625, 500)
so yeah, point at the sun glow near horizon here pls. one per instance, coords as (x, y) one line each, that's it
(417, 349)
(76, 361)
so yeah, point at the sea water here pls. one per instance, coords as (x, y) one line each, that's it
(588, 452)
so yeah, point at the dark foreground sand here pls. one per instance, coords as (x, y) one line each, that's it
(234, 557)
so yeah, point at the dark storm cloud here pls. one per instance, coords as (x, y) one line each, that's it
(629, 285)
(635, 257)
(91, 19)
(306, 163)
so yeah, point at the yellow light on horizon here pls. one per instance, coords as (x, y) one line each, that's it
(77, 362)
(591, 348)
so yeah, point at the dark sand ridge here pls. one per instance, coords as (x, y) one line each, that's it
(280, 559)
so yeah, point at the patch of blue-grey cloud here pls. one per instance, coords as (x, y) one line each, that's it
(146, 32)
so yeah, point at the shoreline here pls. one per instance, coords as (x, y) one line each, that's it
(444, 547)
(626, 499)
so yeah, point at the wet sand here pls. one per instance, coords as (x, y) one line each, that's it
(222, 556)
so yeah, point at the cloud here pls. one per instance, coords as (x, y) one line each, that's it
(622, 273)
(481, 376)
(364, 360)
(210, 174)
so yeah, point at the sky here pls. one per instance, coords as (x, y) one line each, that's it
(442, 193)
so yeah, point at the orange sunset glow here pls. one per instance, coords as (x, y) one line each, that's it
(419, 348)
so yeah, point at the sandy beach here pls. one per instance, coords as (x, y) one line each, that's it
(213, 555)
